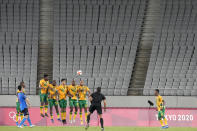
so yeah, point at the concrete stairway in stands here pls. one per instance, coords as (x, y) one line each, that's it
(144, 48)
(45, 62)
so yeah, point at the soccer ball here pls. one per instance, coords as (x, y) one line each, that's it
(79, 72)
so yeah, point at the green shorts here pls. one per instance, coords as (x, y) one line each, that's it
(63, 103)
(43, 98)
(161, 114)
(18, 107)
(73, 103)
(52, 102)
(82, 103)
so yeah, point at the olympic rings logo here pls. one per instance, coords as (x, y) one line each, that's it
(12, 115)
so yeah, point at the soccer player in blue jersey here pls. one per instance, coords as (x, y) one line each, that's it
(23, 100)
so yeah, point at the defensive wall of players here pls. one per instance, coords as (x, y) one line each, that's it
(117, 101)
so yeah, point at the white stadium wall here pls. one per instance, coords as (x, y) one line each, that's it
(117, 101)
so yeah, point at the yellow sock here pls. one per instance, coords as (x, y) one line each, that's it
(70, 117)
(17, 117)
(81, 117)
(86, 114)
(65, 115)
(161, 122)
(75, 115)
(58, 116)
(51, 116)
(41, 109)
(62, 115)
(45, 108)
(165, 121)
(21, 115)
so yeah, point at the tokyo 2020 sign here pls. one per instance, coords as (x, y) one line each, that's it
(113, 117)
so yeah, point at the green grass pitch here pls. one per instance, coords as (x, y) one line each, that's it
(11, 128)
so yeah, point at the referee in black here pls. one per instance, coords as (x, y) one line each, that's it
(96, 98)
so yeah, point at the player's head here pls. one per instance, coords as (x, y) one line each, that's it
(54, 83)
(73, 82)
(20, 88)
(81, 83)
(22, 83)
(98, 89)
(63, 81)
(156, 92)
(46, 77)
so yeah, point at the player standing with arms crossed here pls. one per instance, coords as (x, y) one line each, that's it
(53, 100)
(44, 83)
(82, 92)
(96, 98)
(161, 109)
(73, 101)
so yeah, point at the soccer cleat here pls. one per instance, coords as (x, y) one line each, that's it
(64, 121)
(81, 122)
(46, 115)
(31, 126)
(52, 120)
(16, 123)
(19, 126)
(42, 115)
(163, 127)
(102, 129)
(59, 120)
(166, 126)
(87, 126)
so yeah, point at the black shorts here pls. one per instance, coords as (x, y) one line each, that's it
(95, 107)
(25, 111)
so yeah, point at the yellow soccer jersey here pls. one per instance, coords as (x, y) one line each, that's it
(44, 84)
(52, 91)
(159, 101)
(62, 91)
(73, 91)
(82, 90)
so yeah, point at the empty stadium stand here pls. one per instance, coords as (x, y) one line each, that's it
(19, 34)
(100, 37)
(172, 66)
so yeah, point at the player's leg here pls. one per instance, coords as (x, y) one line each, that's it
(160, 119)
(71, 109)
(17, 112)
(91, 110)
(76, 109)
(21, 117)
(46, 105)
(64, 111)
(26, 114)
(41, 104)
(80, 111)
(99, 111)
(51, 109)
(164, 119)
(61, 103)
(57, 111)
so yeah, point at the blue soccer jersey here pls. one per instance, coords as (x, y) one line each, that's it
(22, 97)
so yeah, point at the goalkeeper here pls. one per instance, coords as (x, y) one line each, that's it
(161, 109)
